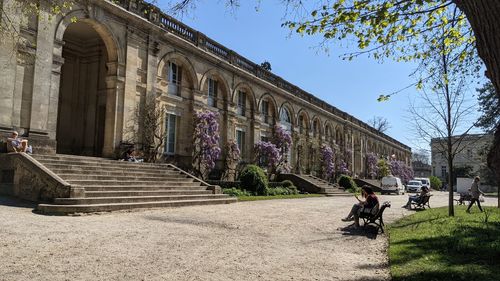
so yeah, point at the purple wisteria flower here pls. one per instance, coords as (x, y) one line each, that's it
(267, 155)
(283, 141)
(327, 159)
(401, 170)
(206, 141)
(371, 164)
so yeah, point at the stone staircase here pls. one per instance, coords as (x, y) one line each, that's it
(326, 188)
(109, 185)
(312, 184)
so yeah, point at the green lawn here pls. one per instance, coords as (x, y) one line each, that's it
(429, 245)
(255, 198)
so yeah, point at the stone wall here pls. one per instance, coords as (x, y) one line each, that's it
(138, 52)
(25, 178)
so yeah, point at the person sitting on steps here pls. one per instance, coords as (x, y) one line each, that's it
(129, 155)
(370, 202)
(16, 144)
(417, 198)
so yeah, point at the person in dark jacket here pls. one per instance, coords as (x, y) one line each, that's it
(475, 192)
(370, 202)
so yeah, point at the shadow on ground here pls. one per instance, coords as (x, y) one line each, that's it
(368, 231)
(14, 202)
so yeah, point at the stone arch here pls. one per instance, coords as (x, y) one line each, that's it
(273, 104)
(316, 127)
(250, 96)
(99, 129)
(186, 64)
(328, 131)
(303, 119)
(105, 32)
(214, 73)
(288, 107)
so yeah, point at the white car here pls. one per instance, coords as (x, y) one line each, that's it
(414, 186)
(392, 184)
(425, 182)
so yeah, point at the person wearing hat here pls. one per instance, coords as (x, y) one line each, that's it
(424, 191)
(475, 192)
(370, 202)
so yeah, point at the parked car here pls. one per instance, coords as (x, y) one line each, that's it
(425, 182)
(414, 186)
(391, 184)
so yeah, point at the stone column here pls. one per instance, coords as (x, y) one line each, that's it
(115, 90)
(8, 62)
(39, 124)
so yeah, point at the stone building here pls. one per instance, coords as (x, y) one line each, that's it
(73, 85)
(472, 151)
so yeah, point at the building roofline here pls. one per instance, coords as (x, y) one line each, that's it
(154, 15)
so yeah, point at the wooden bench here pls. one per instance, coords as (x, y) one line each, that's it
(420, 204)
(369, 216)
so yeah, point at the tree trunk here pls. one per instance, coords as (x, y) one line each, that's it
(484, 17)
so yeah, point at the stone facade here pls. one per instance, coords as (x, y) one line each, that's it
(81, 93)
(472, 152)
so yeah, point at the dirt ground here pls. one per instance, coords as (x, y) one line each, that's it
(298, 239)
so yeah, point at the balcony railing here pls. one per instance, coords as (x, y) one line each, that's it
(166, 22)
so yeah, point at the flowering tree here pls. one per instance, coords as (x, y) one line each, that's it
(267, 155)
(283, 141)
(401, 170)
(382, 168)
(342, 168)
(232, 159)
(327, 161)
(206, 148)
(371, 164)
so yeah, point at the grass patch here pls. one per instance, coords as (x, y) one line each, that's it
(429, 245)
(295, 196)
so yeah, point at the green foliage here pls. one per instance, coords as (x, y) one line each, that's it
(382, 169)
(430, 245)
(297, 196)
(254, 179)
(435, 183)
(347, 183)
(280, 190)
(287, 183)
(489, 103)
(235, 192)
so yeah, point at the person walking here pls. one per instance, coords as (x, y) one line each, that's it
(475, 192)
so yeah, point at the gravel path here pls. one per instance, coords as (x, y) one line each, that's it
(299, 239)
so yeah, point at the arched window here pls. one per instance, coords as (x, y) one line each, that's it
(212, 92)
(174, 79)
(316, 128)
(285, 119)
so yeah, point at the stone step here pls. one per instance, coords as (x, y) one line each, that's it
(92, 169)
(338, 194)
(88, 159)
(133, 199)
(107, 164)
(89, 208)
(91, 194)
(88, 183)
(122, 178)
(119, 172)
(138, 187)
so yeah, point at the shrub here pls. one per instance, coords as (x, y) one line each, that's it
(287, 183)
(435, 183)
(281, 190)
(254, 179)
(235, 192)
(347, 183)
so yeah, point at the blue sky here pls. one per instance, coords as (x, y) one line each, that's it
(352, 86)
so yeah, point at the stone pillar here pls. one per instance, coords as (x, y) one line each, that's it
(43, 74)
(8, 62)
(113, 126)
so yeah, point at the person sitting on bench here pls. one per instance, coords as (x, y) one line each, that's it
(16, 144)
(370, 202)
(417, 198)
